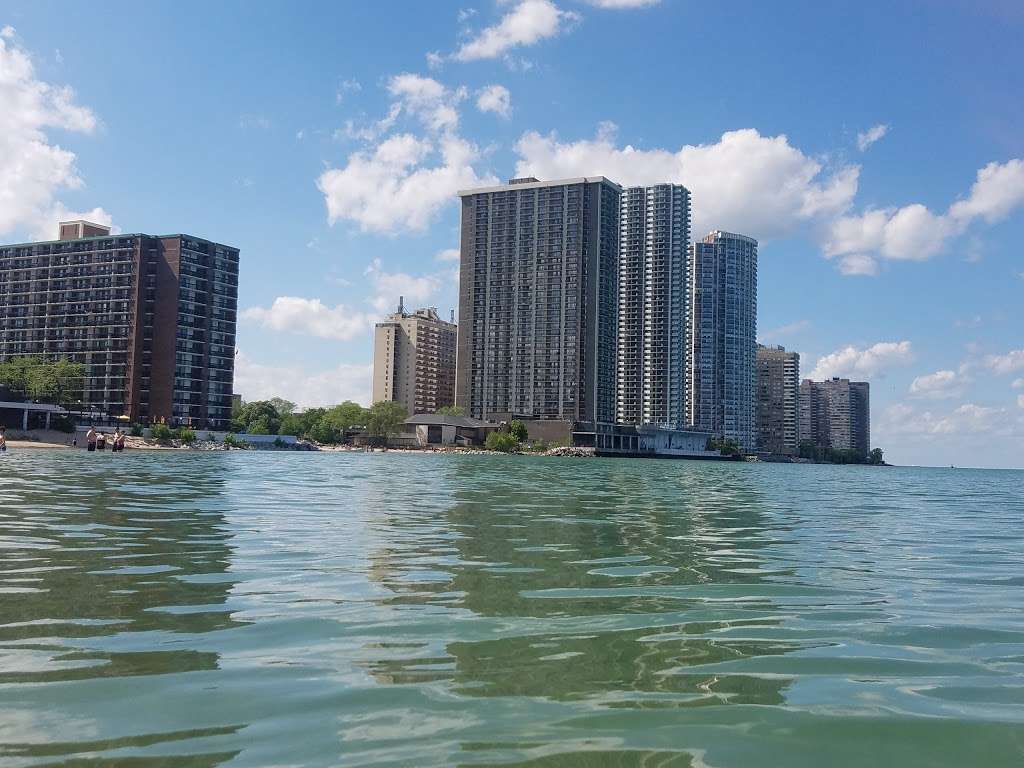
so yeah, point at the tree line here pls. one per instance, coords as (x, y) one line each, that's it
(61, 382)
(278, 416)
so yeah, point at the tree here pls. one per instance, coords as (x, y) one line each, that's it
(385, 418)
(875, 456)
(346, 416)
(725, 447)
(451, 410)
(504, 442)
(284, 407)
(257, 418)
(518, 430)
(52, 381)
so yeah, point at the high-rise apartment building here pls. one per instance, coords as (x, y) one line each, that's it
(537, 299)
(836, 413)
(152, 319)
(654, 231)
(778, 401)
(723, 336)
(414, 360)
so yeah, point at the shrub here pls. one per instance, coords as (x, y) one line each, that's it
(135, 430)
(279, 443)
(186, 435)
(232, 442)
(162, 432)
(518, 430)
(501, 441)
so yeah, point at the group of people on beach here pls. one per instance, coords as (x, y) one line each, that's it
(97, 441)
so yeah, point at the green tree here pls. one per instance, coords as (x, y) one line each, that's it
(385, 418)
(451, 410)
(257, 418)
(875, 456)
(518, 430)
(503, 442)
(284, 407)
(347, 415)
(53, 381)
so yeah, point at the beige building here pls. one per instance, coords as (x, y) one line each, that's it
(778, 401)
(414, 360)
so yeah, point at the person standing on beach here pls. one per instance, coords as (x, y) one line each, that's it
(101, 442)
(90, 439)
(117, 441)
(3, 439)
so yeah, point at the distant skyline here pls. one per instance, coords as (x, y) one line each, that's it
(874, 151)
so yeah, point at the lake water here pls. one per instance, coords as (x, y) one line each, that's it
(198, 609)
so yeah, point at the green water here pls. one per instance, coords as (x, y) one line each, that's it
(340, 609)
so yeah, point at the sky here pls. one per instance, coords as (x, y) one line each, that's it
(874, 149)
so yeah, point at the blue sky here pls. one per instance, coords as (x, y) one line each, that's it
(875, 150)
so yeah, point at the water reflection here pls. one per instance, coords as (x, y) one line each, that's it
(99, 577)
(596, 580)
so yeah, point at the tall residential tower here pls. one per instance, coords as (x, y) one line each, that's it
(723, 336)
(836, 413)
(414, 360)
(778, 401)
(651, 352)
(537, 300)
(152, 319)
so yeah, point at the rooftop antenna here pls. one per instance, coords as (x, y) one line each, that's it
(401, 305)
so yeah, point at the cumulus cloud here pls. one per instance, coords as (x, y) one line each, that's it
(448, 254)
(858, 264)
(32, 169)
(758, 185)
(871, 135)
(401, 181)
(388, 286)
(529, 22)
(915, 233)
(940, 385)
(310, 317)
(496, 99)
(306, 388)
(1010, 362)
(855, 362)
(968, 418)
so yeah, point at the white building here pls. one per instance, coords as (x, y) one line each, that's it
(654, 226)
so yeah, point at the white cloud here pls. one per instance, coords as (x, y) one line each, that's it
(529, 22)
(1008, 363)
(424, 97)
(496, 99)
(44, 225)
(758, 185)
(1018, 384)
(871, 135)
(308, 389)
(969, 418)
(784, 330)
(940, 385)
(858, 264)
(998, 190)
(310, 317)
(404, 180)
(1020, 401)
(915, 233)
(32, 170)
(401, 184)
(855, 362)
(448, 254)
(388, 286)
